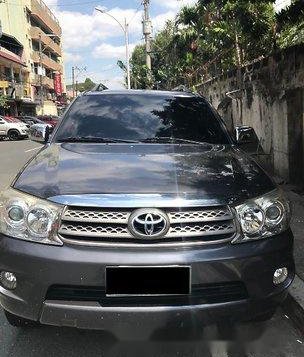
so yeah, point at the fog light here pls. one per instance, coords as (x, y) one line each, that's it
(8, 280)
(280, 275)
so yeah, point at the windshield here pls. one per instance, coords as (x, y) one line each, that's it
(141, 117)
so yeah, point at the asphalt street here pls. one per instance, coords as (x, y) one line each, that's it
(279, 337)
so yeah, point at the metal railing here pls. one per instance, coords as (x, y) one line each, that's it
(47, 10)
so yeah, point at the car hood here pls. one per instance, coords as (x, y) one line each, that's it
(208, 171)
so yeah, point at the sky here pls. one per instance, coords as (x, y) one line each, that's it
(94, 41)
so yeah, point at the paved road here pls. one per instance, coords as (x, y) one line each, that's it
(279, 338)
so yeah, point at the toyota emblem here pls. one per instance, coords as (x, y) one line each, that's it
(148, 223)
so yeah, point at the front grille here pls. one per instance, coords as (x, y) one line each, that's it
(201, 294)
(215, 224)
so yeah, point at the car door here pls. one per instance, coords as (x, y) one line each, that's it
(3, 127)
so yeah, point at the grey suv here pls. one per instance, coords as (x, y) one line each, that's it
(140, 212)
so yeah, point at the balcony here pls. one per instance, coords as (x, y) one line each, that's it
(46, 40)
(46, 81)
(46, 61)
(19, 91)
(44, 15)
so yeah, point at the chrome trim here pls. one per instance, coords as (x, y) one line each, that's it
(164, 244)
(201, 215)
(199, 231)
(71, 214)
(148, 224)
(135, 200)
(94, 232)
(203, 222)
(205, 230)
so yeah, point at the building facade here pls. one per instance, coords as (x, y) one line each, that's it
(32, 24)
(14, 77)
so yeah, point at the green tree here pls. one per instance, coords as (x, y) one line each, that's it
(3, 101)
(213, 36)
(290, 25)
(88, 84)
(139, 70)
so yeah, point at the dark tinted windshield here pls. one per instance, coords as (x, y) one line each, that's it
(141, 116)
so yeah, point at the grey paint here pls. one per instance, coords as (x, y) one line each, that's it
(217, 172)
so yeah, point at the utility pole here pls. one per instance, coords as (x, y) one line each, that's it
(74, 78)
(147, 31)
(73, 81)
(40, 74)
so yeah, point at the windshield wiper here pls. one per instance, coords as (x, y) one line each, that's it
(169, 139)
(91, 139)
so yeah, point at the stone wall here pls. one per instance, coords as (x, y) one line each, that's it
(269, 96)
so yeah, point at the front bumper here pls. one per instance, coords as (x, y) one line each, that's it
(38, 267)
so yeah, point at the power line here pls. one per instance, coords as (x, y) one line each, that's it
(137, 10)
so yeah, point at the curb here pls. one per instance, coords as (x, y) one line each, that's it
(293, 306)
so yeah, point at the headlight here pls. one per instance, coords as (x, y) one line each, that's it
(30, 218)
(263, 217)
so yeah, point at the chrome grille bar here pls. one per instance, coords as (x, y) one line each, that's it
(80, 215)
(100, 225)
(122, 232)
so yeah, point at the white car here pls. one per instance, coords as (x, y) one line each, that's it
(12, 128)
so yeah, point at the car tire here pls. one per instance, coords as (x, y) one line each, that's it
(18, 321)
(13, 135)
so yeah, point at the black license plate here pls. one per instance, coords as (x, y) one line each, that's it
(157, 281)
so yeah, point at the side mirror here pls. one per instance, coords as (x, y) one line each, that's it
(245, 135)
(39, 133)
(247, 139)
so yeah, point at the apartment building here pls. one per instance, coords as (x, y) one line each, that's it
(14, 77)
(37, 30)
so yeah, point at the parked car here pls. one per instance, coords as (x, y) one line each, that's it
(12, 128)
(143, 212)
(30, 120)
(49, 119)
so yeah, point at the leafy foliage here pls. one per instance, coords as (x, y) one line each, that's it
(88, 84)
(3, 101)
(214, 36)
(290, 23)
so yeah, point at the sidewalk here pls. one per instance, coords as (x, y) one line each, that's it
(294, 305)
(297, 226)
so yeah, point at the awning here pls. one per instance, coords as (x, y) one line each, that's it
(10, 56)
(11, 40)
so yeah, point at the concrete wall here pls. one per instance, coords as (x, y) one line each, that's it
(269, 96)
